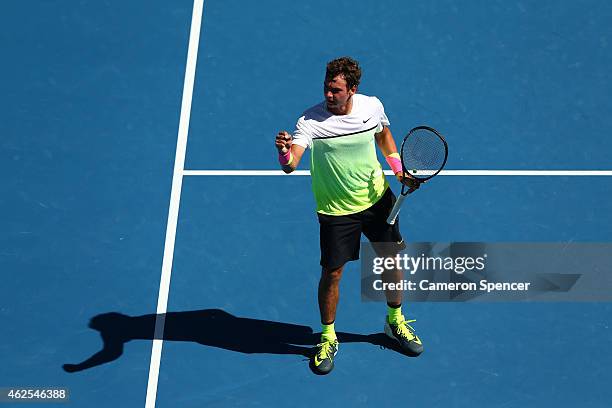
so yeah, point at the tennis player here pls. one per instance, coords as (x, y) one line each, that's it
(351, 193)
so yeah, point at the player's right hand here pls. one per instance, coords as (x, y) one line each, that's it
(283, 142)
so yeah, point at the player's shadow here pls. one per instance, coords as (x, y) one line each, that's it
(211, 327)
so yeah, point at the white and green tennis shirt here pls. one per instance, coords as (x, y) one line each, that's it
(346, 175)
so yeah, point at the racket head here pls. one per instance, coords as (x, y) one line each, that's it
(423, 153)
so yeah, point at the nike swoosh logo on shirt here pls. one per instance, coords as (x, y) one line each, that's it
(367, 119)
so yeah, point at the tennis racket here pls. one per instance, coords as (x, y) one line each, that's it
(424, 152)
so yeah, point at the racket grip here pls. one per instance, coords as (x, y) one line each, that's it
(396, 209)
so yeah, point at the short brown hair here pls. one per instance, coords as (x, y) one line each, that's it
(345, 66)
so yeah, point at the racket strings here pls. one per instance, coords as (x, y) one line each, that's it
(423, 151)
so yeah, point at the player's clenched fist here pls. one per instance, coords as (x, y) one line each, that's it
(283, 142)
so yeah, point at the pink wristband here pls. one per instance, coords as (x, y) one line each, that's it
(395, 164)
(285, 159)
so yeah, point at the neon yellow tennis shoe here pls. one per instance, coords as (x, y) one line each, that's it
(405, 336)
(322, 362)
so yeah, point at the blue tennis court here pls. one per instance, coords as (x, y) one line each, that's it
(95, 106)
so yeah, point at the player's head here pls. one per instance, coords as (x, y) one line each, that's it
(341, 81)
(347, 68)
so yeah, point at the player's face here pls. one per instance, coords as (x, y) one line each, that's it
(336, 92)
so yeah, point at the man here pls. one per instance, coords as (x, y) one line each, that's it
(351, 192)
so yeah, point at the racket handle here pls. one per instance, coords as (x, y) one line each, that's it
(396, 209)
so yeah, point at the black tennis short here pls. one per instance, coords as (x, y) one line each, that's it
(340, 235)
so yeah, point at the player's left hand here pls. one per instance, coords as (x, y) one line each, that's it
(408, 180)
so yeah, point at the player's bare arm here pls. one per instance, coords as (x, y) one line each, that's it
(386, 144)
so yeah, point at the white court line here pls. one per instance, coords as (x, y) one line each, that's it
(175, 199)
(582, 173)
